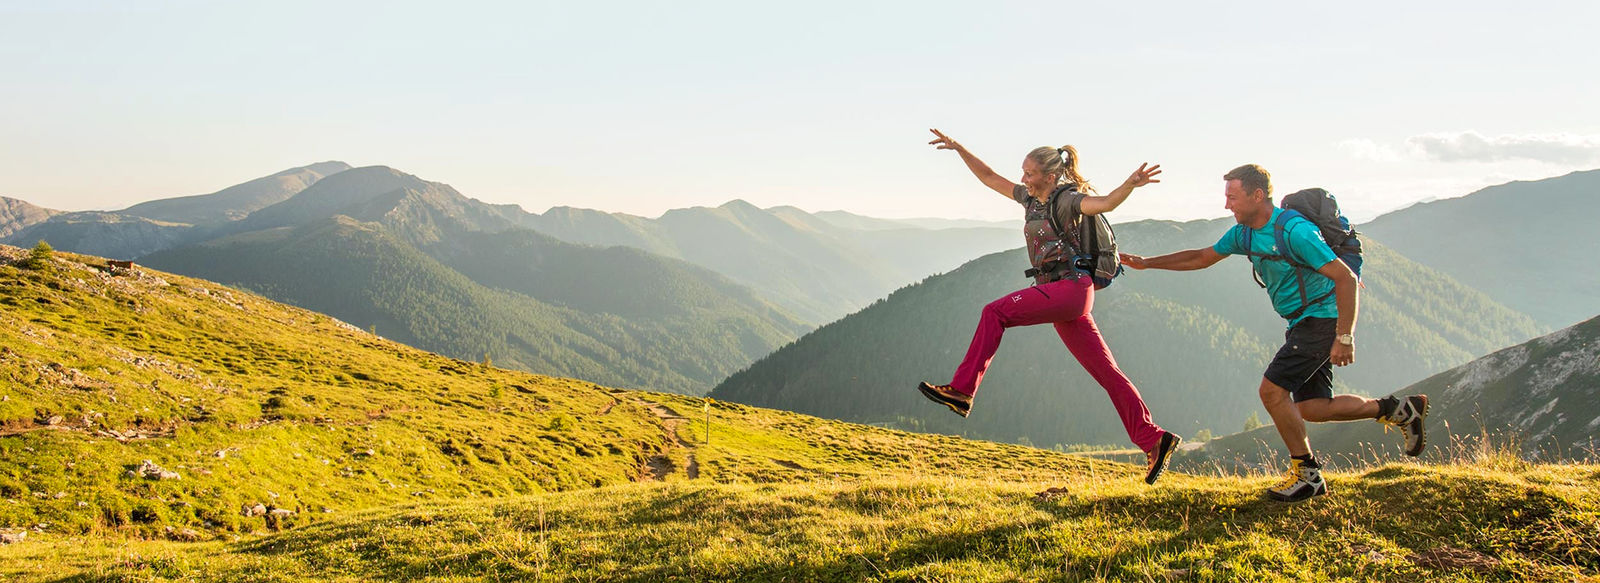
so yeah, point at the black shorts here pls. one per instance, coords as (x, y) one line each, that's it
(1302, 366)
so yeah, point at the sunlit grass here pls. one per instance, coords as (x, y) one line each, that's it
(1400, 522)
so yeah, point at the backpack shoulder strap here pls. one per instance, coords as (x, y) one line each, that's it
(1053, 210)
(1301, 269)
(1245, 238)
(1280, 230)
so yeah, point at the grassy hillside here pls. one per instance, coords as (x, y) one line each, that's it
(371, 460)
(249, 401)
(254, 402)
(1396, 523)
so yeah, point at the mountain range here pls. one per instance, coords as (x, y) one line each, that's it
(820, 267)
(409, 259)
(817, 267)
(1523, 243)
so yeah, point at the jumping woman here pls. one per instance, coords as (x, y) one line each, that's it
(1063, 292)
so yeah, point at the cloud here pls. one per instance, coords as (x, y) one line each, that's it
(1470, 146)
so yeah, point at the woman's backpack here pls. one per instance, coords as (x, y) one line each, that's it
(1095, 244)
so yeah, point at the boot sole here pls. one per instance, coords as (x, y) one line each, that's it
(1162, 457)
(940, 399)
(1279, 498)
(1422, 436)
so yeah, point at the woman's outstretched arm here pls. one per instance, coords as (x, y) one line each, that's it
(1094, 205)
(985, 174)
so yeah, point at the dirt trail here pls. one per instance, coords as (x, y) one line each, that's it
(658, 467)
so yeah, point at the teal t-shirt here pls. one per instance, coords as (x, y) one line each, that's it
(1306, 244)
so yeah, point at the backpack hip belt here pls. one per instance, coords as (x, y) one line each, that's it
(1058, 268)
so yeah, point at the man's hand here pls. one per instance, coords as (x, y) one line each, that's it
(1342, 354)
(1133, 261)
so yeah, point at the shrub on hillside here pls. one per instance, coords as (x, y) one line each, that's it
(39, 258)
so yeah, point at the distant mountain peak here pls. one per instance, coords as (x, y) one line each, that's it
(237, 201)
(7, 202)
(16, 215)
(740, 204)
(324, 168)
(378, 170)
(363, 183)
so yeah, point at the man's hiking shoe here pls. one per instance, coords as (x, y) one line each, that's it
(1301, 483)
(1409, 416)
(947, 396)
(1158, 457)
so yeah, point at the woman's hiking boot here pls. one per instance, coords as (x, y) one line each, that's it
(1303, 481)
(947, 396)
(1157, 458)
(1409, 415)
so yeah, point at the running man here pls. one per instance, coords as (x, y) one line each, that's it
(1318, 296)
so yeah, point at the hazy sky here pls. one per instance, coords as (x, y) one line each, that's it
(640, 107)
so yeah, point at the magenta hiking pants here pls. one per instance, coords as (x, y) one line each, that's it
(1065, 304)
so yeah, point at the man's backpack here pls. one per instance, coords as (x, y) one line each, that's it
(1098, 255)
(1319, 208)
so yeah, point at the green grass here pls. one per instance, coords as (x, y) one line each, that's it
(255, 402)
(1400, 522)
(402, 465)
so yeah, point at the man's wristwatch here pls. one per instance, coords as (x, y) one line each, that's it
(1346, 339)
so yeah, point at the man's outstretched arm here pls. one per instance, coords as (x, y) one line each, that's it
(1181, 261)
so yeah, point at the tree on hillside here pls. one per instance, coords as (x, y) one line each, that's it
(1253, 422)
(39, 257)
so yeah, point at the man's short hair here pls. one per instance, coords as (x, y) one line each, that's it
(1251, 177)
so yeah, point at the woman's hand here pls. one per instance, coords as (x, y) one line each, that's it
(1094, 205)
(1143, 176)
(986, 175)
(944, 142)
